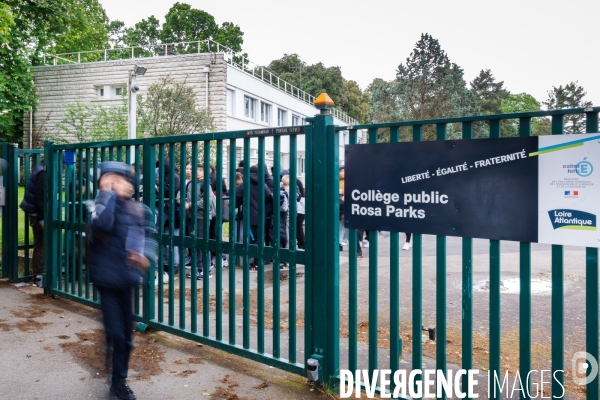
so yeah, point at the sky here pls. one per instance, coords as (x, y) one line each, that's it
(531, 45)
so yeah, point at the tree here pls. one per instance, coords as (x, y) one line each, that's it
(170, 108)
(519, 103)
(185, 24)
(569, 96)
(38, 27)
(427, 86)
(93, 123)
(317, 78)
(116, 33)
(488, 92)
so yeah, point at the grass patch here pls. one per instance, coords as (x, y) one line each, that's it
(20, 220)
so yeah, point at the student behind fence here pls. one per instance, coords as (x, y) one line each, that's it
(164, 219)
(213, 221)
(121, 246)
(284, 216)
(253, 203)
(408, 243)
(342, 228)
(33, 205)
(198, 202)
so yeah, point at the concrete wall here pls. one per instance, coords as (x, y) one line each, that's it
(59, 85)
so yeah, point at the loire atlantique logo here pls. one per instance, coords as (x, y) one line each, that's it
(572, 219)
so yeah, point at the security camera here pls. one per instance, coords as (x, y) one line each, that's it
(134, 88)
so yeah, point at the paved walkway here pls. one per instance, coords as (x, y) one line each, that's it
(52, 349)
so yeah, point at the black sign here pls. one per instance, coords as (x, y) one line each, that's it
(275, 131)
(486, 188)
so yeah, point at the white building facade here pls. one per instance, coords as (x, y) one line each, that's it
(240, 97)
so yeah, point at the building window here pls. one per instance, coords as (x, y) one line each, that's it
(281, 117)
(230, 97)
(300, 165)
(101, 92)
(265, 112)
(296, 120)
(249, 106)
(119, 91)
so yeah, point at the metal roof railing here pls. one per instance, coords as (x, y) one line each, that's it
(236, 60)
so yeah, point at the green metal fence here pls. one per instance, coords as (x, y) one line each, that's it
(283, 318)
(17, 238)
(491, 125)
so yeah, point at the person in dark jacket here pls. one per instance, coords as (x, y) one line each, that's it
(121, 247)
(239, 194)
(164, 219)
(33, 205)
(213, 221)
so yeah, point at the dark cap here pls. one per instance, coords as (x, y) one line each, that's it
(115, 167)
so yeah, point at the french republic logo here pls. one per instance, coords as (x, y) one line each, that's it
(571, 194)
(572, 219)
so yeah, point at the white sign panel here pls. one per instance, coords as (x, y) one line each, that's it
(569, 189)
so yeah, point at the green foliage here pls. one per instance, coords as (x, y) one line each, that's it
(170, 108)
(6, 20)
(37, 27)
(92, 123)
(182, 24)
(84, 28)
(316, 79)
(569, 96)
(523, 102)
(488, 92)
(427, 86)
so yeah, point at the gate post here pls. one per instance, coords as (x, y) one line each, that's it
(11, 215)
(5, 235)
(51, 250)
(322, 242)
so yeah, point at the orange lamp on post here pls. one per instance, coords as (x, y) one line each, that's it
(324, 103)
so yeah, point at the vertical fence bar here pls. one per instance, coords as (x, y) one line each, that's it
(182, 224)
(80, 221)
(195, 243)
(277, 246)
(495, 303)
(171, 230)
(352, 288)
(219, 239)
(525, 295)
(246, 247)
(417, 286)
(148, 184)
(591, 289)
(26, 173)
(232, 237)
(558, 308)
(50, 215)
(440, 296)
(206, 257)
(395, 341)
(161, 232)
(262, 234)
(467, 287)
(292, 271)
(373, 285)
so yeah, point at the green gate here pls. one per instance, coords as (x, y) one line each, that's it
(17, 237)
(283, 318)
